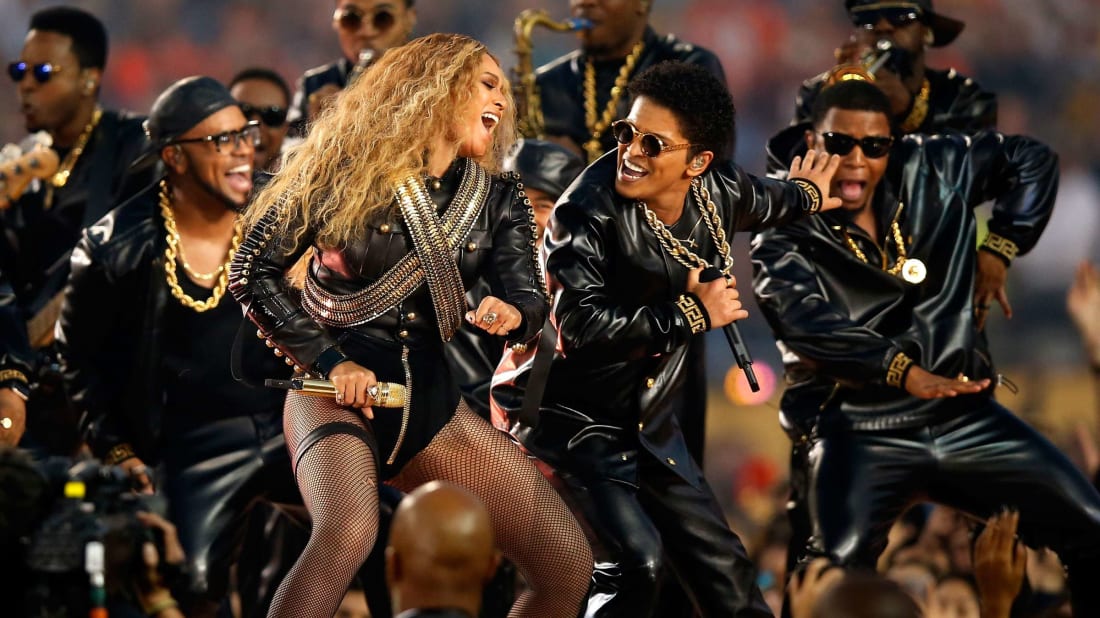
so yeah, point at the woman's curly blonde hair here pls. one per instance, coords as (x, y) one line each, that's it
(377, 132)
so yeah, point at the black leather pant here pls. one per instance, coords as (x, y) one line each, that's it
(664, 522)
(212, 473)
(978, 460)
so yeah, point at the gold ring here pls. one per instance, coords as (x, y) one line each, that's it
(489, 318)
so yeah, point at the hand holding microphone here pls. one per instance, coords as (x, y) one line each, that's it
(720, 299)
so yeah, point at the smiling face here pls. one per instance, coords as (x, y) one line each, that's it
(484, 111)
(224, 174)
(661, 182)
(858, 175)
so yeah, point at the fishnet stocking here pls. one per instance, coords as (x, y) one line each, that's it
(338, 481)
(532, 525)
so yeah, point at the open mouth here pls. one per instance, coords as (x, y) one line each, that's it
(851, 190)
(489, 120)
(629, 172)
(240, 178)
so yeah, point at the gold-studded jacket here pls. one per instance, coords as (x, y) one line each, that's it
(848, 328)
(307, 326)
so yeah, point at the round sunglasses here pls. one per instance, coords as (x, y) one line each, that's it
(42, 71)
(625, 133)
(873, 147)
(270, 115)
(351, 18)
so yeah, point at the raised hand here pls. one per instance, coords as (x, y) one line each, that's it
(818, 168)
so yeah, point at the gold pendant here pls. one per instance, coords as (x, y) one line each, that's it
(913, 270)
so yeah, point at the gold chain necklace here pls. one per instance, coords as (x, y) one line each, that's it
(597, 126)
(910, 269)
(919, 112)
(173, 251)
(61, 177)
(709, 213)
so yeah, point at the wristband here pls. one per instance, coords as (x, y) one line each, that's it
(813, 191)
(118, 454)
(898, 370)
(694, 312)
(1001, 247)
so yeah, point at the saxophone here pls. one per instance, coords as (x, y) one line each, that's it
(528, 103)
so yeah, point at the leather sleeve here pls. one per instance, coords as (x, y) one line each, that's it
(16, 353)
(257, 280)
(753, 203)
(971, 111)
(802, 318)
(513, 271)
(594, 321)
(1020, 174)
(95, 373)
(804, 102)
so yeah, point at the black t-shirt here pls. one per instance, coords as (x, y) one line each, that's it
(195, 361)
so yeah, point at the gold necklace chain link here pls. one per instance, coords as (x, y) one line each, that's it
(709, 213)
(899, 243)
(173, 252)
(596, 126)
(61, 176)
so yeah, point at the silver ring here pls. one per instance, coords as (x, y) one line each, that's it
(489, 318)
(373, 391)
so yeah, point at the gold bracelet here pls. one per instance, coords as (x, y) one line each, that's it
(1001, 246)
(899, 366)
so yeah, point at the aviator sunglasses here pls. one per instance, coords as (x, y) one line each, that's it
(42, 71)
(270, 115)
(351, 18)
(898, 17)
(625, 133)
(873, 147)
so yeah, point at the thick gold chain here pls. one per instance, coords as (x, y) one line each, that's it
(596, 126)
(709, 212)
(173, 251)
(899, 243)
(61, 176)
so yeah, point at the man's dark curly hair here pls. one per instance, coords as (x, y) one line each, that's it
(853, 95)
(700, 102)
(87, 32)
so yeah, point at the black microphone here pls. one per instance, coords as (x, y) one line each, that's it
(733, 335)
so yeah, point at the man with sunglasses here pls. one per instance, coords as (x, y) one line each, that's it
(365, 29)
(264, 97)
(147, 332)
(922, 99)
(57, 79)
(889, 382)
(624, 254)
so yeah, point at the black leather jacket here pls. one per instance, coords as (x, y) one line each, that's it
(955, 102)
(841, 322)
(36, 242)
(615, 382)
(561, 84)
(500, 248)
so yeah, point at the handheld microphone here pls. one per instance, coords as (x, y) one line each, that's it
(733, 336)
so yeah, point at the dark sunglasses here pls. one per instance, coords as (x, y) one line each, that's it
(898, 17)
(271, 115)
(42, 71)
(352, 17)
(625, 133)
(249, 134)
(873, 147)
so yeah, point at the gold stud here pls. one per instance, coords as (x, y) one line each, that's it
(471, 246)
(385, 228)
(650, 382)
(671, 461)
